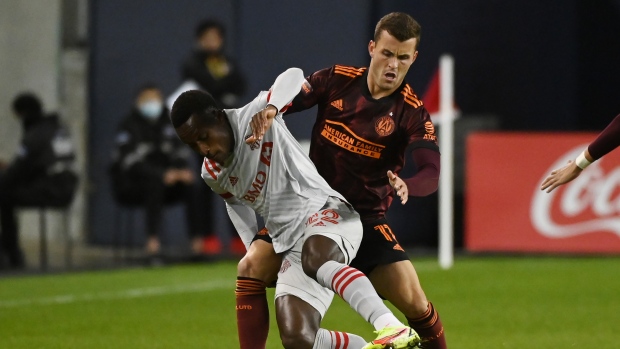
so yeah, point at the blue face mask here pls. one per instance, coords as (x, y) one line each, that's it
(151, 109)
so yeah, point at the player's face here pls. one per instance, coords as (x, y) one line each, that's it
(215, 141)
(389, 63)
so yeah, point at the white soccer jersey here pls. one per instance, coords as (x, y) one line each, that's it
(274, 176)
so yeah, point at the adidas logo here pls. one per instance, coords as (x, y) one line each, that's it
(233, 180)
(319, 224)
(337, 104)
(398, 247)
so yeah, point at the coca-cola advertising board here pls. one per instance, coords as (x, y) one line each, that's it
(505, 210)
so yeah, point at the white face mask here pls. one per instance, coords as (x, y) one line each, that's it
(151, 109)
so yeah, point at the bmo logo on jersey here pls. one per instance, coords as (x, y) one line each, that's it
(261, 175)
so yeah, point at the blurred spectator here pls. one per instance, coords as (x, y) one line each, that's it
(211, 69)
(208, 68)
(150, 167)
(41, 174)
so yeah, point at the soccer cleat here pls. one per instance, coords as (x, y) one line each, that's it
(397, 337)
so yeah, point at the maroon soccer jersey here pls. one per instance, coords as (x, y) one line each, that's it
(357, 139)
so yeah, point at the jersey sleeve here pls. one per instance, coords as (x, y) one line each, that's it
(313, 91)
(420, 129)
(209, 175)
(607, 140)
(285, 88)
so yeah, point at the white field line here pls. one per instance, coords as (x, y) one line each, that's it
(123, 294)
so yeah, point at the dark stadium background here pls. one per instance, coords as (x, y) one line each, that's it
(520, 65)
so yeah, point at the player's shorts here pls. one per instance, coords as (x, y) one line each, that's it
(379, 246)
(336, 220)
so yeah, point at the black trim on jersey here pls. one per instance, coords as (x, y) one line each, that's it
(425, 144)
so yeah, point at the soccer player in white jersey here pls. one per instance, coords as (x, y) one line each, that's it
(312, 226)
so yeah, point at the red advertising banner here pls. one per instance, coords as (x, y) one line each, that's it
(505, 210)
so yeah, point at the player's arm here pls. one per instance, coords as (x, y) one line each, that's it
(425, 155)
(243, 219)
(242, 216)
(284, 89)
(313, 91)
(606, 141)
(426, 179)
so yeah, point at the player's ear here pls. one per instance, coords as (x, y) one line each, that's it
(371, 48)
(415, 56)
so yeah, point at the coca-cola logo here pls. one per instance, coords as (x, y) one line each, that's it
(588, 204)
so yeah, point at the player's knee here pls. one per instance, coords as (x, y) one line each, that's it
(317, 251)
(415, 307)
(249, 267)
(303, 339)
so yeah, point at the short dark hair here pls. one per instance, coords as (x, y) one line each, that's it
(27, 103)
(193, 102)
(207, 24)
(400, 25)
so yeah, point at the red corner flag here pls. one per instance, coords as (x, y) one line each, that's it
(431, 97)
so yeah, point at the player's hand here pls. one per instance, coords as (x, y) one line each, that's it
(261, 122)
(561, 176)
(399, 186)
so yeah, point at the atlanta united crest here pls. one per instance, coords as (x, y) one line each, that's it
(384, 126)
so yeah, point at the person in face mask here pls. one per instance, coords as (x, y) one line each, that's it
(151, 168)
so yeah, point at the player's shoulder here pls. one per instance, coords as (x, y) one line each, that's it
(348, 71)
(410, 99)
(210, 171)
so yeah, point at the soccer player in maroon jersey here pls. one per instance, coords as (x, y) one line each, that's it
(367, 117)
(606, 141)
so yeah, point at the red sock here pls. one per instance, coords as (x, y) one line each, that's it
(252, 313)
(430, 329)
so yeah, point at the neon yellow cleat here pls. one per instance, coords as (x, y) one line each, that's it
(400, 337)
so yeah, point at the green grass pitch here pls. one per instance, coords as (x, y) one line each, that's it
(484, 302)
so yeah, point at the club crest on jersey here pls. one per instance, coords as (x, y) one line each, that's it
(254, 145)
(233, 180)
(385, 125)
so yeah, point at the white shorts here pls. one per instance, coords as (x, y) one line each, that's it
(336, 220)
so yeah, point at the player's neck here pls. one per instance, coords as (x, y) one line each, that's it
(376, 92)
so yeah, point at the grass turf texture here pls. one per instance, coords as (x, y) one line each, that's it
(484, 303)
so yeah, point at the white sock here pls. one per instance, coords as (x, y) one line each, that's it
(386, 320)
(354, 288)
(337, 340)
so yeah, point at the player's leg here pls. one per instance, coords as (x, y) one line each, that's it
(332, 240)
(257, 269)
(389, 269)
(301, 303)
(299, 323)
(398, 282)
